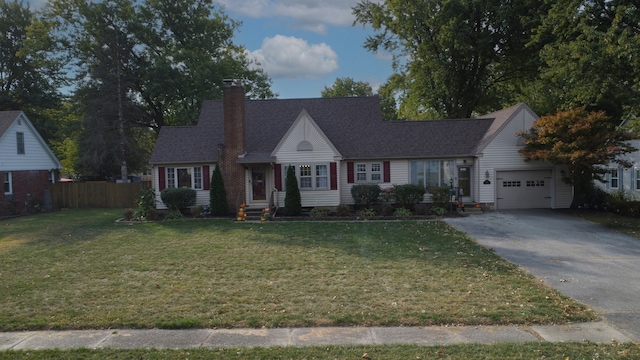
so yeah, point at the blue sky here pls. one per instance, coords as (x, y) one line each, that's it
(303, 45)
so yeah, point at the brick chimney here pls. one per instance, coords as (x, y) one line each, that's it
(234, 143)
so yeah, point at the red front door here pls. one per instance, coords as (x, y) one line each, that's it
(258, 182)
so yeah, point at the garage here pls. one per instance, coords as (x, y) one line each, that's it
(530, 189)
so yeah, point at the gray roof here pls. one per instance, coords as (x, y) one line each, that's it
(6, 119)
(354, 125)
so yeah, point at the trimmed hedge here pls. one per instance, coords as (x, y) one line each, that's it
(365, 195)
(178, 199)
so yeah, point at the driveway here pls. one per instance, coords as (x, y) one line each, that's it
(586, 261)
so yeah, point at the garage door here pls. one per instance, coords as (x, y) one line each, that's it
(523, 189)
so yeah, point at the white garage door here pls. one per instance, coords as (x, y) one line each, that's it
(523, 189)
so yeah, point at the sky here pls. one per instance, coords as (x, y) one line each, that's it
(303, 45)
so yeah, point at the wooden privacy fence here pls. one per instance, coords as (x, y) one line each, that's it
(96, 194)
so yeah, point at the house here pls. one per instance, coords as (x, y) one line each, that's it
(27, 165)
(619, 178)
(335, 143)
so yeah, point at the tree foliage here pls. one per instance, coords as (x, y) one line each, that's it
(218, 194)
(347, 87)
(584, 142)
(454, 57)
(29, 77)
(591, 58)
(292, 200)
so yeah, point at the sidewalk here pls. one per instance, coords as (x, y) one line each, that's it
(208, 338)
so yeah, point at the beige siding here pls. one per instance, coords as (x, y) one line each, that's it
(502, 155)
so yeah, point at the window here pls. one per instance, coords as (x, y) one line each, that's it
(430, 173)
(637, 174)
(369, 173)
(535, 183)
(190, 177)
(8, 186)
(310, 176)
(613, 178)
(511, 183)
(20, 142)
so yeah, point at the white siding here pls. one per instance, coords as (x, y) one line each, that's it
(501, 154)
(305, 129)
(628, 176)
(37, 155)
(202, 196)
(399, 172)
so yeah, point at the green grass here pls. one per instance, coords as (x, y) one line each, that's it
(77, 269)
(533, 351)
(624, 224)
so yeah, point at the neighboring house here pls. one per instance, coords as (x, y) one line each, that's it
(27, 165)
(335, 143)
(621, 178)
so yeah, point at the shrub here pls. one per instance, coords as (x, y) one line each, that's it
(366, 213)
(408, 195)
(152, 214)
(127, 215)
(197, 211)
(146, 203)
(402, 212)
(343, 210)
(437, 210)
(218, 194)
(178, 199)
(173, 215)
(292, 200)
(319, 212)
(365, 195)
(440, 196)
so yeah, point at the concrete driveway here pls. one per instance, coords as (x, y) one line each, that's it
(594, 265)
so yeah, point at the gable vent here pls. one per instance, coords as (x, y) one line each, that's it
(304, 145)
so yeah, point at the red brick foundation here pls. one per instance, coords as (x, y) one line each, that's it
(28, 189)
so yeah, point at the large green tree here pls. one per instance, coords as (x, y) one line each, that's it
(591, 58)
(349, 87)
(29, 77)
(454, 58)
(582, 141)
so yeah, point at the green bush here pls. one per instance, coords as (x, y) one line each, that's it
(319, 212)
(218, 194)
(408, 195)
(178, 199)
(343, 210)
(402, 212)
(440, 196)
(292, 200)
(437, 210)
(366, 213)
(365, 195)
(146, 203)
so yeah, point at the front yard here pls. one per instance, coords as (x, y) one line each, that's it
(78, 270)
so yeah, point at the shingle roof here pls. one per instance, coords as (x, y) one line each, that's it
(6, 119)
(353, 124)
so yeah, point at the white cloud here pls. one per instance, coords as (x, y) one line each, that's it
(294, 58)
(312, 15)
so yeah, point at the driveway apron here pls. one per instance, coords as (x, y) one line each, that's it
(588, 262)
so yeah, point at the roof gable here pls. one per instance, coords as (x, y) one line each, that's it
(305, 132)
(500, 120)
(36, 158)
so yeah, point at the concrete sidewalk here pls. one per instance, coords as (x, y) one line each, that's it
(209, 338)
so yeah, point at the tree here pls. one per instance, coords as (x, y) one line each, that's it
(348, 87)
(454, 57)
(292, 200)
(218, 194)
(585, 142)
(29, 78)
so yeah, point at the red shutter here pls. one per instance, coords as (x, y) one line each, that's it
(206, 178)
(161, 179)
(278, 176)
(333, 174)
(350, 177)
(386, 171)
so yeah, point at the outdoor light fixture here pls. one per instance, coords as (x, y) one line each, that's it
(486, 174)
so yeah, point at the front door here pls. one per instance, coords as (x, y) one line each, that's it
(464, 182)
(258, 183)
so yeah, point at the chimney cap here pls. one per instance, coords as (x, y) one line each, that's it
(232, 82)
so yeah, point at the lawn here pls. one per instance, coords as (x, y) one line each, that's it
(624, 224)
(77, 269)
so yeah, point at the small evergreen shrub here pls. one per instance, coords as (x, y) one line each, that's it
(437, 210)
(366, 213)
(319, 212)
(343, 210)
(365, 195)
(178, 199)
(402, 212)
(440, 196)
(408, 195)
(217, 194)
(292, 200)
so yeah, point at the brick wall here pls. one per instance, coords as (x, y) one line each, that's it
(26, 185)
(234, 144)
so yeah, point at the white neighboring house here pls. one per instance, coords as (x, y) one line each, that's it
(27, 165)
(336, 143)
(624, 178)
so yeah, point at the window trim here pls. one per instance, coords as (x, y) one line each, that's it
(8, 180)
(368, 172)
